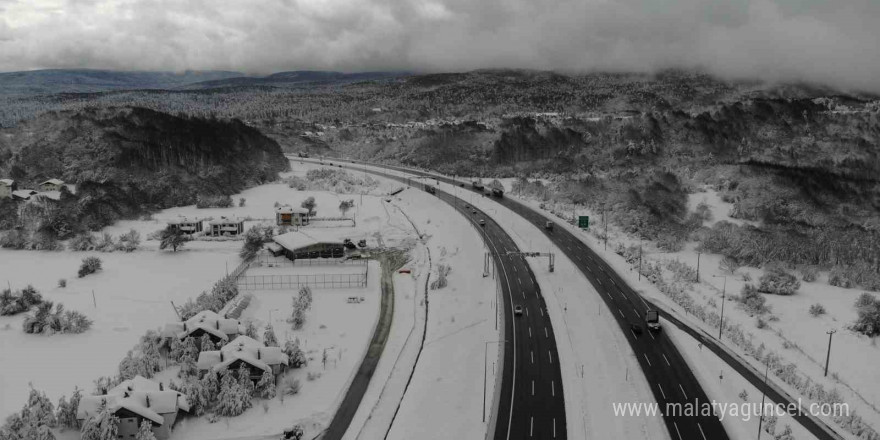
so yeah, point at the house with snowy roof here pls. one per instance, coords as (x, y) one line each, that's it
(52, 185)
(291, 216)
(7, 186)
(134, 401)
(187, 225)
(247, 351)
(206, 322)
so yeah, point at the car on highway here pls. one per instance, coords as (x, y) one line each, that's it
(517, 310)
(475, 211)
(548, 226)
(636, 328)
(482, 222)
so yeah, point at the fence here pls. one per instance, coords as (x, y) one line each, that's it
(271, 282)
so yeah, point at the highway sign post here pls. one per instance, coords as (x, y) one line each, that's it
(584, 222)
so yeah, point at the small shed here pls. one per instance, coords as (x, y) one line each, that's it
(225, 226)
(7, 186)
(52, 185)
(187, 225)
(290, 216)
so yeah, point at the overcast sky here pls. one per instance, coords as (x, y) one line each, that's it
(827, 41)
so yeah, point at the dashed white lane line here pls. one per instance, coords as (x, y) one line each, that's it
(532, 426)
(514, 269)
(546, 335)
(646, 358)
(621, 313)
(661, 391)
(530, 332)
(541, 310)
(550, 353)
(633, 332)
(682, 391)
(677, 431)
(667, 360)
(553, 388)
(554, 429)
(599, 281)
(701, 431)
(532, 354)
(533, 387)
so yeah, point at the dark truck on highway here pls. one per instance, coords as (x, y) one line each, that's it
(652, 320)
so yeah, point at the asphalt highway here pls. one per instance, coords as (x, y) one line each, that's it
(531, 403)
(670, 378)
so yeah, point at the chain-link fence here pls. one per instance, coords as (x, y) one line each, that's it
(329, 281)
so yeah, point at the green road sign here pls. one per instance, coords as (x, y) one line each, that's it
(584, 221)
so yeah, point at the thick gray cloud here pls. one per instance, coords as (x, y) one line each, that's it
(833, 42)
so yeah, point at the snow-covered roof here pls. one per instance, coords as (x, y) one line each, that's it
(7, 182)
(205, 320)
(242, 348)
(53, 182)
(182, 220)
(24, 193)
(138, 395)
(226, 221)
(287, 209)
(299, 239)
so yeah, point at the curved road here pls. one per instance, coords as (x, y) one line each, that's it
(671, 380)
(531, 403)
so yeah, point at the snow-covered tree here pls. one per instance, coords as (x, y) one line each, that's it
(173, 238)
(266, 385)
(206, 344)
(145, 432)
(250, 330)
(295, 356)
(269, 339)
(211, 387)
(65, 412)
(40, 408)
(190, 348)
(310, 204)
(230, 400)
(102, 426)
(176, 350)
(244, 379)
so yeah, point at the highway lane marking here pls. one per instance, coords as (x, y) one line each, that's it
(551, 355)
(530, 332)
(526, 308)
(636, 311)
(600, 281)
(554, 428)
(541, 309)
(519, 281)
(661, 391)
(643, 301)
(533, 387)
(524, 295)
(677, 431)
(621, 313)
(532, 353)
(578, 257)
(701, 431)
(682, 391)
(546, 335)
(633, 332)
(667, 360)
(553, 388)
(514, 269)
(531, 425)
(589, 270)
(612, 282)
(646, 358)
(651, 335)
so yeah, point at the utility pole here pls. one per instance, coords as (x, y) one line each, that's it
(723, 290)
(605, 219)
(698, 266)
(763, 396)
(828, 356)
(485, 365)
(640, 259)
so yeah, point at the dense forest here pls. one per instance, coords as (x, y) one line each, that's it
(125, 162)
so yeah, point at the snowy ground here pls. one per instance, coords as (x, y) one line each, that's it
(342, 329)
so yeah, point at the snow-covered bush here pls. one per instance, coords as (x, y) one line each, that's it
(89, 265)
(20, 301)
(777, 281)
(45, 320)
(82, 242)
(65, 412)
(105, 243)
(296, 357)
(838, 277)
(729, 265)
(868, 320)
(290, 386)
(222, 292)
(440, 281)
(129, 241)
(817, 309)
(752, 301)
(62, 283)
(269, 339)
(266, 386)
(102, 426)
(213, 201)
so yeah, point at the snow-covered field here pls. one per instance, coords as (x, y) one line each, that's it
(132, 293)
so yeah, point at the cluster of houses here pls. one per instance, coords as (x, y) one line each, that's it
(50, 188)
(284, 216)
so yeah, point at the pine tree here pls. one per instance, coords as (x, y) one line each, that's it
(266, 385)
(205, 344)
(251, 331)
(269, 339)
(176, 351)
(102, 426)
(40, 408)
(196, 395)
(295, 356)
(229, 401)
(190, 348)
(65, 413)
(145, 432)
(211, 387)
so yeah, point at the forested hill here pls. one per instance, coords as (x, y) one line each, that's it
(130, 160)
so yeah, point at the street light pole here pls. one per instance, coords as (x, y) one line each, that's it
(828, 357)
(723, 290)
(763, 395)
(485, 366)
(698, 266)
